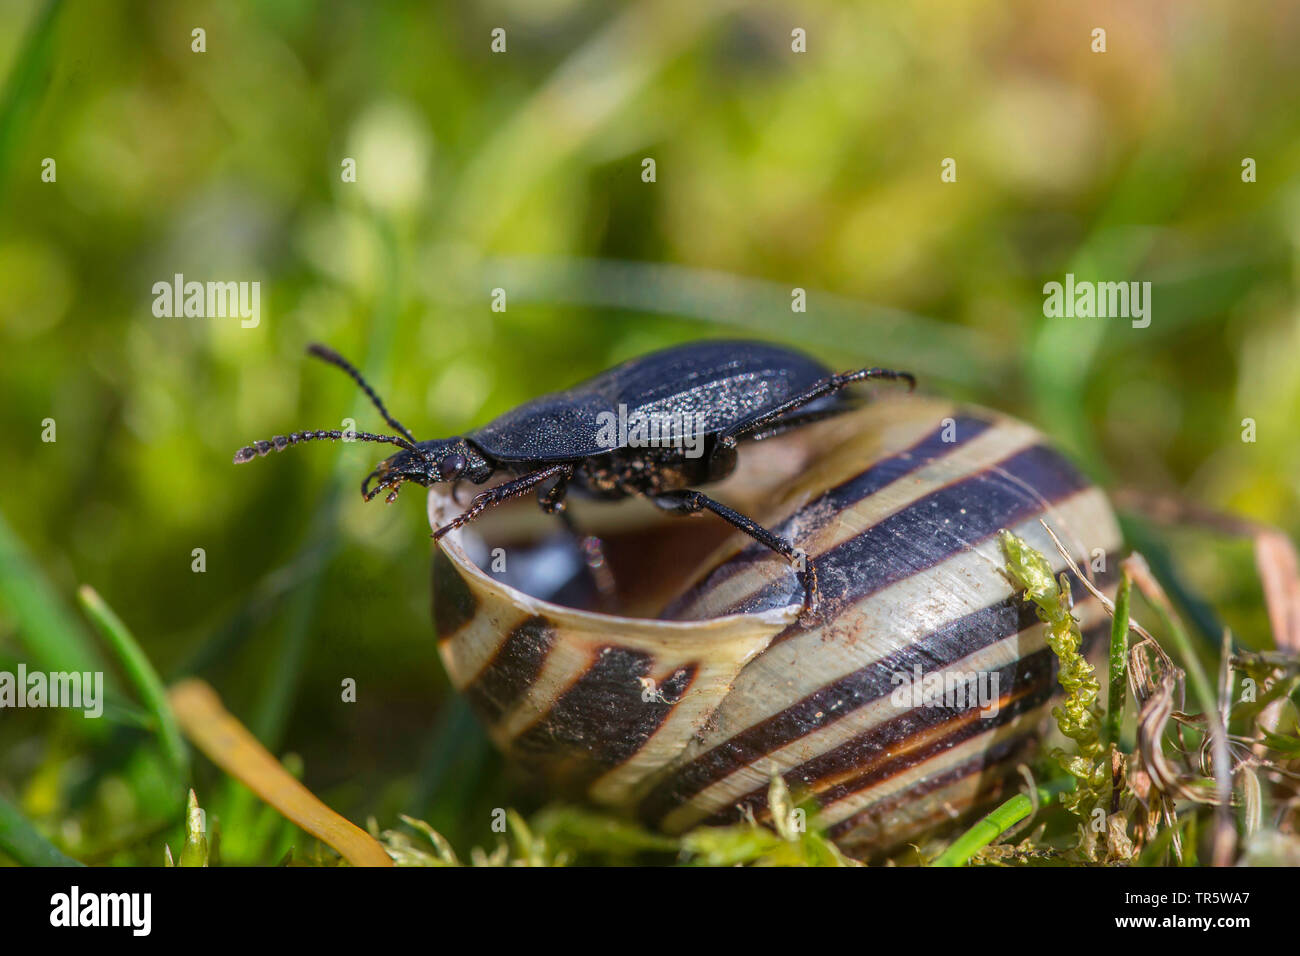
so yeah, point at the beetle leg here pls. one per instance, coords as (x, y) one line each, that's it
(553, 502)
(692, 502)
(552, 499)
(769, 422)
(504, 492)
(791, 422)
(384, 482)
(593, 555)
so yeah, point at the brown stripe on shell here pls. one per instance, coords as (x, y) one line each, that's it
(512, 670)
(602, 719)
(934, 746)
(454, 604)
(905, 741)
(921, 734)
(910, 795)
(892, 821)
(953, 786)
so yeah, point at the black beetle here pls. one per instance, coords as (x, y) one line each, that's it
(653, 426)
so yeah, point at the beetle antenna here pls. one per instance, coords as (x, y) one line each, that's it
(327, 354)
(281, 442)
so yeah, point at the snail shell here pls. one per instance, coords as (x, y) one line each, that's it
(685, 718)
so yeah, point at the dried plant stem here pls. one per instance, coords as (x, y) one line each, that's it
(231, 747)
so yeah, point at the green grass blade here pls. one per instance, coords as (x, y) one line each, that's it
(1007, 815)
(53, 637)
(985, 832)
(141, 674)
(1117, 696)
(27, 84)
(24, 843)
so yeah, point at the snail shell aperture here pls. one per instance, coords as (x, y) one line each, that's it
(684, 717)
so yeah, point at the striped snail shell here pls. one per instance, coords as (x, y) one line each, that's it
(684, 718)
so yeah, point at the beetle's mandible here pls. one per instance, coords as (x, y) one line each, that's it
(627, 431)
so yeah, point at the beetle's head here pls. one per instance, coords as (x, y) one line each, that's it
(424, 462)
(427, 463)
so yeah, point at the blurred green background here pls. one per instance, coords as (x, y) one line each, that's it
(522, 170)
